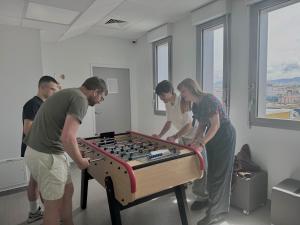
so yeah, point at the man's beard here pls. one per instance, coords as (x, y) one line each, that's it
(91, 102)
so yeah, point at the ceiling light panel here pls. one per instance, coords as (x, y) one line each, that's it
(50, 14)
(75, 5)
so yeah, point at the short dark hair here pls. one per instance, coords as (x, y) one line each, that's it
(46, 79)
(164, 87)
(94, 83)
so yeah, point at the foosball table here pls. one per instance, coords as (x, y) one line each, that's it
(135, 168)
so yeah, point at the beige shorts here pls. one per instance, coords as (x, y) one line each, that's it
(50, 171)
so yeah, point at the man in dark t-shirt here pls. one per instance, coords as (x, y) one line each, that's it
(46, 87)
(30, 109)
(53, 134)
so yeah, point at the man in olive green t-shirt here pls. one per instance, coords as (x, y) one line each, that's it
(54, 132)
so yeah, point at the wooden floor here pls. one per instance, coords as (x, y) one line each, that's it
(162, 211)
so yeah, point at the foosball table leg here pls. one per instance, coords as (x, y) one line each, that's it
(182, 204)
(114, 205)
(84, 188)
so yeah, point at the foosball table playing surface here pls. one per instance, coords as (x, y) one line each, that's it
(135, 168)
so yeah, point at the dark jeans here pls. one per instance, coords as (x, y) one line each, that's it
(220, 157)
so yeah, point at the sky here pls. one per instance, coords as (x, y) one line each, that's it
(218, 54)
(284, 42)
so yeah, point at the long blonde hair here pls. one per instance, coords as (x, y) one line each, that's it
(194, 88)
(185, 106)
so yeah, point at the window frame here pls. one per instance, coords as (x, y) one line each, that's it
(155, 44)
(225, 21)
(256, 54)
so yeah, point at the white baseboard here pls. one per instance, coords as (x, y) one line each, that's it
(13, 174)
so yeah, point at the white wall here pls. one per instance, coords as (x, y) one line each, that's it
(23, 59)
(74, 57)
(184, 61)
(146, 119)
(275, 150)
(20, 69)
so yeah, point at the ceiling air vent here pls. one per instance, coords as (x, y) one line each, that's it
(114, 21)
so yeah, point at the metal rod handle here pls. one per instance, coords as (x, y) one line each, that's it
(95, 160)
(89, 151)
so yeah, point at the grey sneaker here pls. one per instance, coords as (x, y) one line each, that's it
(210, 220)
(35, 216)
(198, 205)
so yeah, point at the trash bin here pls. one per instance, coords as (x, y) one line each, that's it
(250, 192)
(285, 203)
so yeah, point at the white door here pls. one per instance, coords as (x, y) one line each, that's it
(114, 113)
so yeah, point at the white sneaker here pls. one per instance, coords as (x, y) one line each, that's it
(35, 216)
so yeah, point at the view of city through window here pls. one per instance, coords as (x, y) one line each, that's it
(282, 88)
(213, 46)
(218, 63)
(162, 69)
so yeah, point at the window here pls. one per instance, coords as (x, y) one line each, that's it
(212, 58)
(275, 64)
(162, 58)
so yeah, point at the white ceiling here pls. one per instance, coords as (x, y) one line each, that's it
(63, 19)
